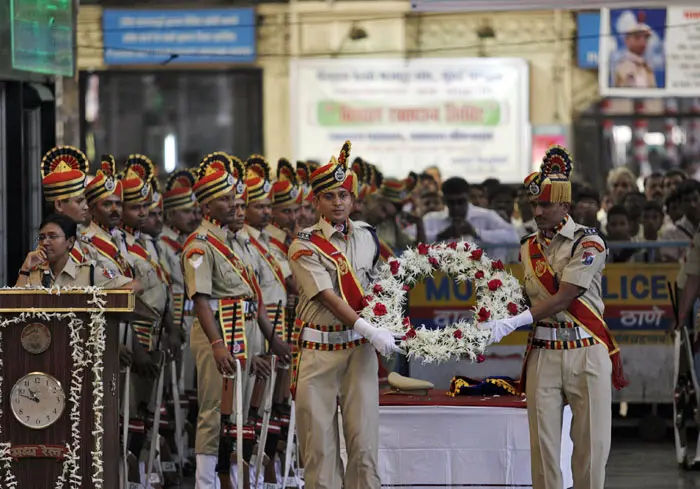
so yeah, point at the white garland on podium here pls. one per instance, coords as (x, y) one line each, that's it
(89, 355)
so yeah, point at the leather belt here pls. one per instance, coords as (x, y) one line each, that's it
(250, 306)
(560, 334)
(330, 337)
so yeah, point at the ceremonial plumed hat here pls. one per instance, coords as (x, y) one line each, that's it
(361, 169)
(63, 173)
(156, 194)
(335, 174)
(286, 189)
(136, 179)
(304, 177)
(178, 190)
(551, 183)
(258, 179)
(105, 183)
(393, 190)
(215, 177)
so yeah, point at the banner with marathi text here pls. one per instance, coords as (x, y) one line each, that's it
(637, 305)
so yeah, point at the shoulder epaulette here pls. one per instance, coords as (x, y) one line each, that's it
(524, 239)
(590, 231)
(583, 233)
(85, 238)
(304, 235)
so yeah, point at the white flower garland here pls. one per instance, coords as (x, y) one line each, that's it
(82, 356)
(498, 295)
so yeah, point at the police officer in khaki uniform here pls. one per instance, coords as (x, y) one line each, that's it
(632, 70)
(571, 355)
(308, 216)
(226, 298)
(287, 196)
(52, 263)
(333, 262)
(63, 174)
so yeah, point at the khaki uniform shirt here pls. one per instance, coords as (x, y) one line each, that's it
(281, 236)
(315, 273)
(681, 232)
(633, 72)
(273, 292)
(155, 291)
(78, 275)
(584, 269)
(115, 236)
(209, 273)
(170, 257)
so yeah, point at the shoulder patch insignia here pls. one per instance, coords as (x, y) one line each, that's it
(303, 235)
(593, 244)
(301, 253)
(85, 238)
(194, 251)
(109, 273)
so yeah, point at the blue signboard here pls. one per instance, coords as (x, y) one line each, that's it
(587, 39)
(179, 36)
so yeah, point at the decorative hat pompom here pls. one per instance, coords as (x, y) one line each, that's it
(140, 165)
(213, 162)
(257, 167)
(286, 172)
(557, 161)
(108, 165)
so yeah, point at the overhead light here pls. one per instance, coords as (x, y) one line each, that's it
(170, 153)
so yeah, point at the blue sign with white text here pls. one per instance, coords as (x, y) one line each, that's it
(179, 36)
(587, 39)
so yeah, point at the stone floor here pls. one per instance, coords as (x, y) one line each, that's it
(639, 465)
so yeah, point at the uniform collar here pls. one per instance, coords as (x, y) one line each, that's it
(565, 229)
(255, 233)
(215, 228)
(328, 229)
(70, 268)
(132, 231)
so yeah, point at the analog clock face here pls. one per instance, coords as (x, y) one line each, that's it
(37, 400)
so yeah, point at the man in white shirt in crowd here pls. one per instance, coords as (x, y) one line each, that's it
(467, 221)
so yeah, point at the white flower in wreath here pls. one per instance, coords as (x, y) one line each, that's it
(498, 295)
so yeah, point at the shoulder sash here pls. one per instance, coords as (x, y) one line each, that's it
(350, 287)
(177, 247)
(581, 313)
(385, 251)
(271, 261)
(77, 254)
(279, 245)
(141, 252)
(110, 250)
(238, 265)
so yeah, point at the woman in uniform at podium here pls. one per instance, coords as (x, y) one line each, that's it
(50, 264)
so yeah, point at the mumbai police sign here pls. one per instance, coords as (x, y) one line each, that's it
(637, 304)
(137, 37)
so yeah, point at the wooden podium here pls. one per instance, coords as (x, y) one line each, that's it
(38, 384)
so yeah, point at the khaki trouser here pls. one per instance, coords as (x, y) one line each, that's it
(326, 379)
(581, 377)
(209, 384)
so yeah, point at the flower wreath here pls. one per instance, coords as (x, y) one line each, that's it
(498, 295)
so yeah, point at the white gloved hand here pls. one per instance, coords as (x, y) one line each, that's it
(501, 328)
(382, 339)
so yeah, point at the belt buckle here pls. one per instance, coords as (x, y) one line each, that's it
(564, 334)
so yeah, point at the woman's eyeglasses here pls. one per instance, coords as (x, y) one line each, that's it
(51, 237)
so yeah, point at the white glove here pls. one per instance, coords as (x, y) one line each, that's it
(382, 339)
(503, 327)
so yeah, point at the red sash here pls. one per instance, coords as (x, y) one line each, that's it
(579, 311)
(385, 251)
(177, 247)
(110, 250)
(279, 245)
(271, 262)
(238, 266)
(141, 252)
(350, 287)
(77, 255)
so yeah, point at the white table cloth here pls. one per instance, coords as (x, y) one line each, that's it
(459, 445)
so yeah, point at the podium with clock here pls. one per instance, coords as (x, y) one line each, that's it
(59, 385)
